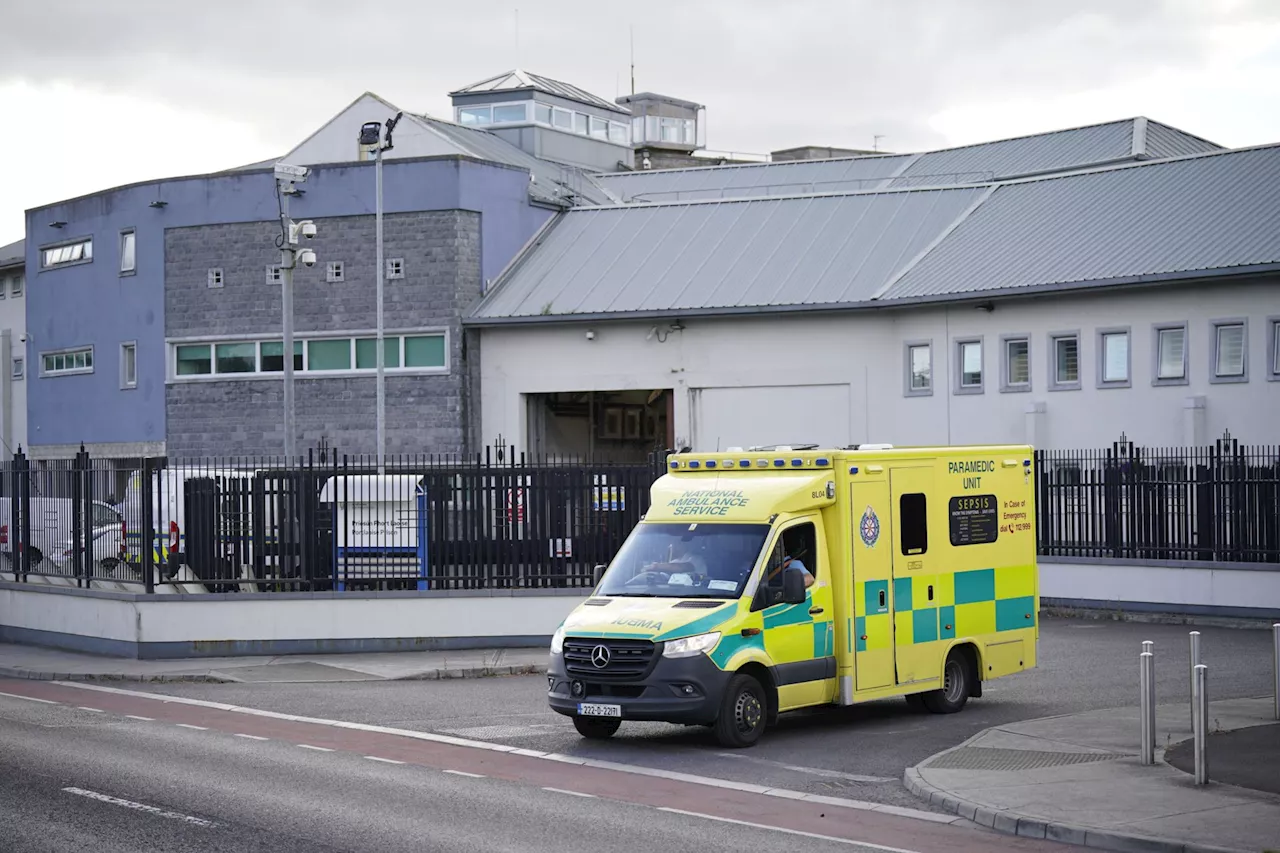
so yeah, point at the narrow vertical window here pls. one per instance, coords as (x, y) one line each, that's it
(129, 365)
(128, 251)
(919, 369)
(1171, 353)
(914, 521)
(1017, 364)
(1115, 357)
(1229, 351)
(970, 366)
(1066, 361)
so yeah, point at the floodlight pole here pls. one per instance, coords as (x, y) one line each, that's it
(286, 176)
(382, 377)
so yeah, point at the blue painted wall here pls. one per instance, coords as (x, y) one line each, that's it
(93, 304)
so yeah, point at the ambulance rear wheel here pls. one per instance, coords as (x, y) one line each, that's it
(743, 713)
(957, 682)
(596, 728)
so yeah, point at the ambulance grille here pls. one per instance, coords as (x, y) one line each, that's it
(628, 659)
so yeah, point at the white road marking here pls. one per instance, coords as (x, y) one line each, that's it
(810, 771)
(189, 726)
(253, 737)
(31, 699)
(464, 773)
(383, 760)
(633, 769)
(848, 841)
(142, 807)
(570, 793)
(144, 719)
(94, 710)
(316, 748)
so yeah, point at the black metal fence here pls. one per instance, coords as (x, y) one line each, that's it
(508, 521)
(329, 523)
(1218, 503)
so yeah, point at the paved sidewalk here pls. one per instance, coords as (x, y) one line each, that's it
(20, 661)
(1076, 778)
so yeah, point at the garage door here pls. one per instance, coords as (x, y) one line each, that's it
(770, 414)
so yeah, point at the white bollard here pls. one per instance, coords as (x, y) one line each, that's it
(1275, 665)
(1147, 744)
(1191, 675)
(1201, 724)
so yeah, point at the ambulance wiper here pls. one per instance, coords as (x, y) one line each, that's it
(635, 594)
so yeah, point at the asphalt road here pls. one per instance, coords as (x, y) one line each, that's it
(858, 752)
(186, 778)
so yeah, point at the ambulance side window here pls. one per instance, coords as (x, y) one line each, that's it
(913, 524)
(800, 544)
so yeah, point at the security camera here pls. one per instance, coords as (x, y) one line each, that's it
(309, 230)
(22, 338)
(307, 257)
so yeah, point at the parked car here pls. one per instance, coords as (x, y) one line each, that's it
(51, 546)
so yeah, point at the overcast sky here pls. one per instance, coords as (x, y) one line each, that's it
(95, 94)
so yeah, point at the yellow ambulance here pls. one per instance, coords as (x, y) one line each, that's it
(770, 579)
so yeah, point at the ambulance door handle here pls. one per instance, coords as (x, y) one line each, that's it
(813, 611)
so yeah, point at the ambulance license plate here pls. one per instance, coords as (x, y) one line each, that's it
(589, 709)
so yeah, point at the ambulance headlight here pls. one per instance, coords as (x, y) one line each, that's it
(557, 641)
(690, 646)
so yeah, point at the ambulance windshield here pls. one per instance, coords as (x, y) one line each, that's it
(685, 561)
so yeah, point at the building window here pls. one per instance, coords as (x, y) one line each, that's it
(1230, 351)
(236, 358)
(914, 521)
(1065, 369)
(969, 366)
(274, 274)
(15, 285)
(272, 360)
(542, 113)
(562, 119)
(395, 268)
(475, 116)
(79, 252)
(195, 360)
(405, 353)
(67, 362)
(1017, 363)
(129, 365)
(4, 286)
(619, 134)
(1171, 354)
(1113, 358)
(510, 112)
(19, 368)
(335, 273)
(215, 277)
(367, 353)
(580, 124)
(128, 251)
(599, 127)
(1274, 338)
(919, 363)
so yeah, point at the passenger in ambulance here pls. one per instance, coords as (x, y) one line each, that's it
(791, 546)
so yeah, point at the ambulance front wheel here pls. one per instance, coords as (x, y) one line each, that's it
(743, 713)
(596, 728)
(957, 684)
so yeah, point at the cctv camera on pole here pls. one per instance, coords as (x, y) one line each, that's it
(290, 255)
(371, 136)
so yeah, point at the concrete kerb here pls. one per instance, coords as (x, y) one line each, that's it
(1011, 823)
(439, 674)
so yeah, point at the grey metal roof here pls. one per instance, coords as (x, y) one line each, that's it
(1211, 212)
(1057, 151)
(14, 253)
(755, 179)
(552, 182)
(807, 250)
(517, 80)
(1163, 142)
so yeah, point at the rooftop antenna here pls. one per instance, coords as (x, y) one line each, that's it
(633, 59)
(875, 141)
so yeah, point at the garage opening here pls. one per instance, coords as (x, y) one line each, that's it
(618, 426)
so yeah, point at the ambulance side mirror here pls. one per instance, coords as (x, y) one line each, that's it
(597, 573)
(793, 591)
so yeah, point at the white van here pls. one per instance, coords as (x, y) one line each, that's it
(51, 548)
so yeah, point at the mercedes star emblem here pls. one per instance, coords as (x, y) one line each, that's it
(600, 657)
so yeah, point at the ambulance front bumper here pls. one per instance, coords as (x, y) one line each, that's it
(674, 690)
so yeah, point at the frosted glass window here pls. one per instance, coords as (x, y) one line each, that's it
(424, 351)
(1171, 355)
(329, 355)
(367, 353)
(1230, 350)
(1115, 357)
